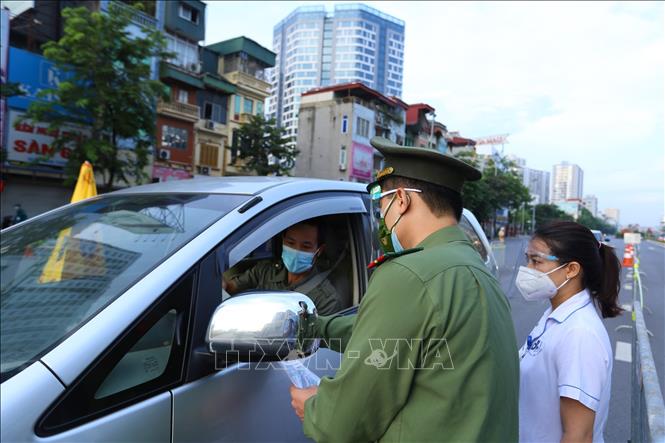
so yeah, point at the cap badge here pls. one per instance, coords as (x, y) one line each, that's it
(386, 171)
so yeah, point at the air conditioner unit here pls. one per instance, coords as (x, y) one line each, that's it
(195, 67)
(205, 170)
(209, 124)
(164, 154)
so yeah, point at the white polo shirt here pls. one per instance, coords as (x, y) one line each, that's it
(569, 356)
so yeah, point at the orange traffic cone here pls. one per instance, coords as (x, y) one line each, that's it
(628, 257)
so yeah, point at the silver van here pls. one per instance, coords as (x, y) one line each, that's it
(107, 308)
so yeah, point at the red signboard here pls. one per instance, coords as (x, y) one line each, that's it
(166, 174)
(362, 160)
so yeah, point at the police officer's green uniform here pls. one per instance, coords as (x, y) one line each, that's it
(431, 354)
(273, 275)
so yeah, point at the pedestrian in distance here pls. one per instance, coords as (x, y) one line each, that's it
(566, 361)
(430, 355)
(19, 215)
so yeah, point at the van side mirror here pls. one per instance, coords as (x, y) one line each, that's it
(262, 326)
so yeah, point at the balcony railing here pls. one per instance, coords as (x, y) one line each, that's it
(238, 77)
(189, 112)
(138, 17)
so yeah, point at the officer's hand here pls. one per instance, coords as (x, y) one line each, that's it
(299, 397)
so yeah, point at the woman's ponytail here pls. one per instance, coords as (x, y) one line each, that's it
(607, 295)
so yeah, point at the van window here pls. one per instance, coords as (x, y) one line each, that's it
(330, 281)
(474, 238)
(59, 270)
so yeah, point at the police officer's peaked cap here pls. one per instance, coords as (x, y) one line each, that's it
(422, 164)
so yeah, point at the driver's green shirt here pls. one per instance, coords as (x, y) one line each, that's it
(430, 356)
(269, 274)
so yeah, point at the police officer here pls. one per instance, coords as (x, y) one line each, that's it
(302, 245)
(431, 353)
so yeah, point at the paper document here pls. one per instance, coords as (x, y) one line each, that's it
(300, 376)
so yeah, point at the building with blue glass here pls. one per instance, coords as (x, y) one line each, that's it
(316, 48)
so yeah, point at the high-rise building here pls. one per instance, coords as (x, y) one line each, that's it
(612, 216)
(567, 182)
(315, 48)
(538, 183)
(590, 202)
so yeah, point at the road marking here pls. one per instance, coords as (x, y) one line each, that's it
(628, 286)
(627, 308)
(623, 352)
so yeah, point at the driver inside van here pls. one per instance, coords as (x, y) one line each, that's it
(297, 270)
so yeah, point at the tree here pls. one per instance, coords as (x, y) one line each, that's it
(264, 149)
(10, 90)
(105, 85)
(500, 187)
(587, 219)
(548, 213)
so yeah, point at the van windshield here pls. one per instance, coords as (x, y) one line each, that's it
(59, 270)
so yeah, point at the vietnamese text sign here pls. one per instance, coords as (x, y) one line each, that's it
(28, 141)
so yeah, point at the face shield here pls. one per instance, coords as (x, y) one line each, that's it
(534, 257)
(376, 194)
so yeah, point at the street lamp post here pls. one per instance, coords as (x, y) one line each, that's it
(431, 130)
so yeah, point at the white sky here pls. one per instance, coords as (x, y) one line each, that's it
(577, 82)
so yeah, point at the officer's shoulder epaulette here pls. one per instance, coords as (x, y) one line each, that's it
(390, 256)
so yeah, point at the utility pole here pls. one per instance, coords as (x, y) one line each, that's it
(431, 130)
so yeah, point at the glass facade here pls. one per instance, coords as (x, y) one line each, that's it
(315, 48)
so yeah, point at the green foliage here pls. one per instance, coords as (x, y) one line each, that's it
(549, 213)
(107, 86)
(500, 187)
(587, 219)
(259, 141)
(10, 90)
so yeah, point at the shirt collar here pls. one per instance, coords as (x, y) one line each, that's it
(444, 235)
(567, 308)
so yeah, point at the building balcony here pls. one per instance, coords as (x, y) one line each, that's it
(183, 111)
(250, 82)
(138, 17)
(242, 118)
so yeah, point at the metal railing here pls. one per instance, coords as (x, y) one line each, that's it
(138, 17)
(647, 410)
(185, 109)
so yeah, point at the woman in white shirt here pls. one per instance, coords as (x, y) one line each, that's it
(566, 361)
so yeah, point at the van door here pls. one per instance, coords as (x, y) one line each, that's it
(251, 402)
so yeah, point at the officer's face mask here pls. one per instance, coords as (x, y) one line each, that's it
(297, 262)
(537, 285)
(388, 236)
